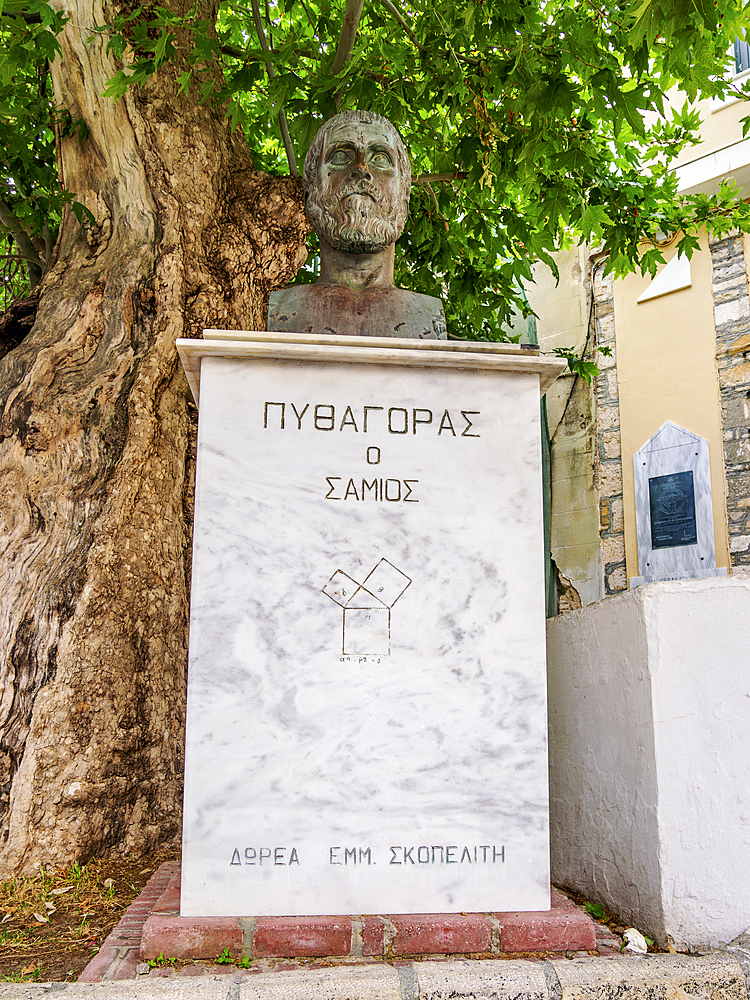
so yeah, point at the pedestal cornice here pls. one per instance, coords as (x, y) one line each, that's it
(275, 346)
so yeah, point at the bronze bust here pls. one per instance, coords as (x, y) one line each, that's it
(357, 180)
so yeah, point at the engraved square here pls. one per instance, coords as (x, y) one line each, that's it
(367, 631)
(341, 588)
(387, 583)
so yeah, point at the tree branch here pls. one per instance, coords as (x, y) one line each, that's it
(34, 263)
(271, 74)
(348, 34)
(457, 175)
(235, 53)
(230, 50)
(402, 21)
(399, 17)
(426, 184)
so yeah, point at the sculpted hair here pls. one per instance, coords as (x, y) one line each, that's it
(310, 172)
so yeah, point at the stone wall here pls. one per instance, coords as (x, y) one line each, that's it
(732, 318)
(564, 320)
(609, 457)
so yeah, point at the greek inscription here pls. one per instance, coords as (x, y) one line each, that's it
(265, 414)
(299, 416)
(350, 856)
(418, 420)
(324, 421)
(469, 423)
(394, 490)
(446, 424)
(348, 420)
(390, 490)
(422, 854)
(397, 419)
(366, 408)
(397, 429)
(450, 854)
(265, 855)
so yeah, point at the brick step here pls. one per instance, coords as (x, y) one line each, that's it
(563, 928)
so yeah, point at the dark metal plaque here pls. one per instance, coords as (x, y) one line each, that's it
(672, 500)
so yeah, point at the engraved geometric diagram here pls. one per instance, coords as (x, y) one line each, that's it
(366, 626)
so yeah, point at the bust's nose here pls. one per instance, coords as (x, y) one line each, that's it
(359, 167)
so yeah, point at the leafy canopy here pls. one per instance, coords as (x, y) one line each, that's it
(530, 123)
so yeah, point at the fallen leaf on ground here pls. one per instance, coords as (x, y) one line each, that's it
(41, 918)
(28, 968)
(59, 892)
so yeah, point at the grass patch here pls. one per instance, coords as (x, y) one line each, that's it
(54, 922)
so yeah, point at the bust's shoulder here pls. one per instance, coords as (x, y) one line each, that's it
(290, 296)
(286, 305)
(373, 311)
(430, 303)
(417, 315)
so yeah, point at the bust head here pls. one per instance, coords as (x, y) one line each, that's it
(357, 181)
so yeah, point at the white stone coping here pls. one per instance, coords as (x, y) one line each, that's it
(273, 346)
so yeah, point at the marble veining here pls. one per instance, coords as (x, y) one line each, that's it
(673, 477)
(343, 764)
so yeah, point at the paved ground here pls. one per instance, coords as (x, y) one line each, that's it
(718, 976)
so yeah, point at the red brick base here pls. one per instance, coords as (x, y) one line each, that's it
(563, 928)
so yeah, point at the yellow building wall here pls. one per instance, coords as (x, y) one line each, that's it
(720, 126)
(666, 370)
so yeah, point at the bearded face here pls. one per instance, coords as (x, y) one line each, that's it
(357, 179)
(357, 218)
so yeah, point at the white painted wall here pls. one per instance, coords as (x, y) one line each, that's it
(649, 696)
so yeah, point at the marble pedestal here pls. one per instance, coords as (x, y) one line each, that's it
(366, 726)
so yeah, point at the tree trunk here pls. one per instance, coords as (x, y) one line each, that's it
(96, 452)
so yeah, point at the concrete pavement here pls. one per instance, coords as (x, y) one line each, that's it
(716, 976)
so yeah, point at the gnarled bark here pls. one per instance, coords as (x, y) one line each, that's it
(96, 453)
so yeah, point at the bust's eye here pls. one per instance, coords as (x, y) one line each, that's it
(381, 159)
(340, 157)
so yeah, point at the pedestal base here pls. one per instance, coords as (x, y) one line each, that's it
(563, 928)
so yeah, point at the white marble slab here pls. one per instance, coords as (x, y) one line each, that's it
(468, 354)
(673, 505)
(366, 724)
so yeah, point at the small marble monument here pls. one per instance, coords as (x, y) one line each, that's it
(674, 516)
(366, 725)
